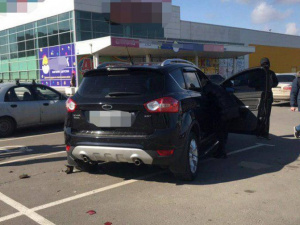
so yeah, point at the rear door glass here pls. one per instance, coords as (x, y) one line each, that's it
(128, 83)
(191, 80)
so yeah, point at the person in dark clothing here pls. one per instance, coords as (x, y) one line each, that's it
(271, 82)
(223, 108)
(73, 80)
(295, 100)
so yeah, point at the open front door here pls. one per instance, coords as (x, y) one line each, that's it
(249, 88)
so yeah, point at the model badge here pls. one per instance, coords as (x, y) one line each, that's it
(107, 107)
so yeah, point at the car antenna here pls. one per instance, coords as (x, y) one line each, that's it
(129, 56)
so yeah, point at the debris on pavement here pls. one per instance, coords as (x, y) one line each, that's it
(91, 212)
(24, 176)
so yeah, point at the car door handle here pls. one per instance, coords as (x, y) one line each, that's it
(245, 107)
(14, 106)
(46, 104)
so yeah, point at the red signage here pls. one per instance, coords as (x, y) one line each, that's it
(125, 42)
(214, 48)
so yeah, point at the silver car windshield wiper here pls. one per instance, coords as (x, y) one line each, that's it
(117, 94)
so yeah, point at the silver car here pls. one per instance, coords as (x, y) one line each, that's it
(24, 105)
(283, 91)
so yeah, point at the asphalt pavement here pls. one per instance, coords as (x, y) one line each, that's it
(258, 184)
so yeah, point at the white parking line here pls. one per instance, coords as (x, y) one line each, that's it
(32, 136)
(25, 211)
(123, 183)
(33, 157)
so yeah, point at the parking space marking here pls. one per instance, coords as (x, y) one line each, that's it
(25, 211)
(113, 186)
(33, 157)
(32, 136)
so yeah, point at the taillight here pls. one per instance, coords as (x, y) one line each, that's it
(68, 147)
(71, 105)
(163, 105)
(165, 152)
(287, 88)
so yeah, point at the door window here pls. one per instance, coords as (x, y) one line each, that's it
(17, 94)
(249, 81)
(191, 80)
(44, 93)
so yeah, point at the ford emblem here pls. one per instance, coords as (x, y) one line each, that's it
(107, 107)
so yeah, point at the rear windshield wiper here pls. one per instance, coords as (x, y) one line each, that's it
(117, 94)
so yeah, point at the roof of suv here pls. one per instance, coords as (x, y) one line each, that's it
(158, 68)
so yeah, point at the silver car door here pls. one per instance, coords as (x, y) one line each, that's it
(21, 105)
(53, 108)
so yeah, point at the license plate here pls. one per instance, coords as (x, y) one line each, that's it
(110, 118)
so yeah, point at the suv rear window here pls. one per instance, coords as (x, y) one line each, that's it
(132, 82)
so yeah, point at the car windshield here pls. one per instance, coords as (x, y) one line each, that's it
(133, 83)
(285, 78)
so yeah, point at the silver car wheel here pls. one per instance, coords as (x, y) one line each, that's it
(193, 156)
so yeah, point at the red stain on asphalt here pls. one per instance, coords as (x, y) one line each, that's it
(91, 212)
(108, 223)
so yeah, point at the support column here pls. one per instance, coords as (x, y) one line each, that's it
(197, 60)
(235, 65)
(96, 60)
(148, 58)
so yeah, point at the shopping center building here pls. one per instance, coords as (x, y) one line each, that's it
(54, 39)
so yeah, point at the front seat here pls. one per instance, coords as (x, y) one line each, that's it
(27, 97)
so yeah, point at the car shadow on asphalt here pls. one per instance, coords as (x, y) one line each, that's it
(245, 165)
(36, 130)
(29, 151)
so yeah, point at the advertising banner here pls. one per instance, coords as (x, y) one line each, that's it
(57, 65)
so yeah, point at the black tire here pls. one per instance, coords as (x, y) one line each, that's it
(7, 126)
(192, 161)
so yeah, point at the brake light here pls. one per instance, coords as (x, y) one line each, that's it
(163, 105)
(71, 105)
(287, 88)
(165, 152)
(68, 147)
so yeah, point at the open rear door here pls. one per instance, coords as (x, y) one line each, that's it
(249, 90)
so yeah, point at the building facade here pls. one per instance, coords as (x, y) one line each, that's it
(55, 40)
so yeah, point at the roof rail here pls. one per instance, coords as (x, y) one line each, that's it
(112, 64)
(174, 61)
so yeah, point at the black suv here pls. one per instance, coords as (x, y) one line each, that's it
(155, 115)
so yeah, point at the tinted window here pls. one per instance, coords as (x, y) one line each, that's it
(44, 93)
(249, 81)
(191, 80)
(137, 82)
(286, 78)
(178, 77)
(17, 94)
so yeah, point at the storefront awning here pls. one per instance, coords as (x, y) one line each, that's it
(115, 46)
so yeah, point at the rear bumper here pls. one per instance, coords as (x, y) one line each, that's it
(281, 97)
(112, 154)
(127, 148)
